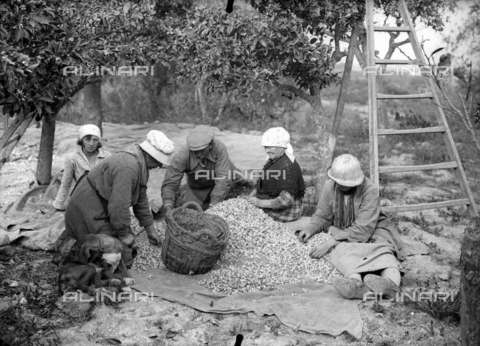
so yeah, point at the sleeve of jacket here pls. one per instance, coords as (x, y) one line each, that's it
(124, 181)
(222, 167)
(367, 217)
(65, 185)
(173, 177)
(323, 216)
(142, 209)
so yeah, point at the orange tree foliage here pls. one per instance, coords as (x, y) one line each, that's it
(239, 52)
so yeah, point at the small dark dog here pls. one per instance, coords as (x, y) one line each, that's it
(73, 277)
(107, 256)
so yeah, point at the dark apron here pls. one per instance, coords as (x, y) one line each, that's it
(87, 211)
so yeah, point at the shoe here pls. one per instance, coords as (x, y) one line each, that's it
(380, 285)
(350, 288)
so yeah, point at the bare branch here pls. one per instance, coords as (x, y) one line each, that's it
(405, 54)
(469, 83)
(422, 47)
(401, 43)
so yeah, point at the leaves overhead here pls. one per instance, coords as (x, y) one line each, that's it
(39, 38)
(244, 52)
(236, 53)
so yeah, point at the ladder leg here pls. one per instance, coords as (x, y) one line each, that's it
(372, 95)
(453, 152)
(442, 119)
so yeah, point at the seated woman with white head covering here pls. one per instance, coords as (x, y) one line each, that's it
(87, 156)
(280, 189)
(365, 243)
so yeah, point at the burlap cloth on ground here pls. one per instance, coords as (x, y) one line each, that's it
(310, 307)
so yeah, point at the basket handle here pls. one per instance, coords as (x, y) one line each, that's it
(193, 204)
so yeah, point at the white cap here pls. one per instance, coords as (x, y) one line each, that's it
(158, 146)
(276, 137)
(346, 171)
(89, 129)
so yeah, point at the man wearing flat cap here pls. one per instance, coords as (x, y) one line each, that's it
(208, 168)
(101, 200)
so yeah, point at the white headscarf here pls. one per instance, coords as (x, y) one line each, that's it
(89, 129)
(278, 137)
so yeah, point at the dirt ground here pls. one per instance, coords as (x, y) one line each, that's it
(31, 312)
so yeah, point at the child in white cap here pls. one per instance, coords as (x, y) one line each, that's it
(89, 154)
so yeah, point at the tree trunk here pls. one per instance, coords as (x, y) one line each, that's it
(201, 98)
(13, 139)
(327, 135)
(44, 164)
(360, 47)
(470, 286)
(347, 71)
(223, 104)
(155, 86)
(93, 103)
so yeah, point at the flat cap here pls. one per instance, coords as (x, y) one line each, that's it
(200, 137)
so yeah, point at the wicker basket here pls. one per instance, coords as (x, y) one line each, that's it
(187, 252)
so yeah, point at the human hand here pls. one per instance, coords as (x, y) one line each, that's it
(323, 248)
(58, 206)
(129, 281)
(127, 239)
(115, 282)
(337, 233)
(304, 234)
(155, 205)
(259, 203)
(153, 236)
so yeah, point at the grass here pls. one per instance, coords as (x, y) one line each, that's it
(451, 214)
(35, 320)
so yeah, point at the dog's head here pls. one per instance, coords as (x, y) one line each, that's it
(112, 259)
(128, 255)
(95, 245)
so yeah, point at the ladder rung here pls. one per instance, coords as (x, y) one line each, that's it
(405, 96)
(424, 206)
(433, 129)
(414, 168)
(391, 28)
(395, 62)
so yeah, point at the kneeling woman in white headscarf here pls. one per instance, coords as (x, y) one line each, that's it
(280, 189)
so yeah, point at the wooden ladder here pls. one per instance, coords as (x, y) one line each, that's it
(443, 128)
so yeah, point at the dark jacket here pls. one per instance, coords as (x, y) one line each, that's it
(281, 175)
(121, 180)
(213, 173)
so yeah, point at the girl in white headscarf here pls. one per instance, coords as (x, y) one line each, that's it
(88, 154)
(280, 189)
